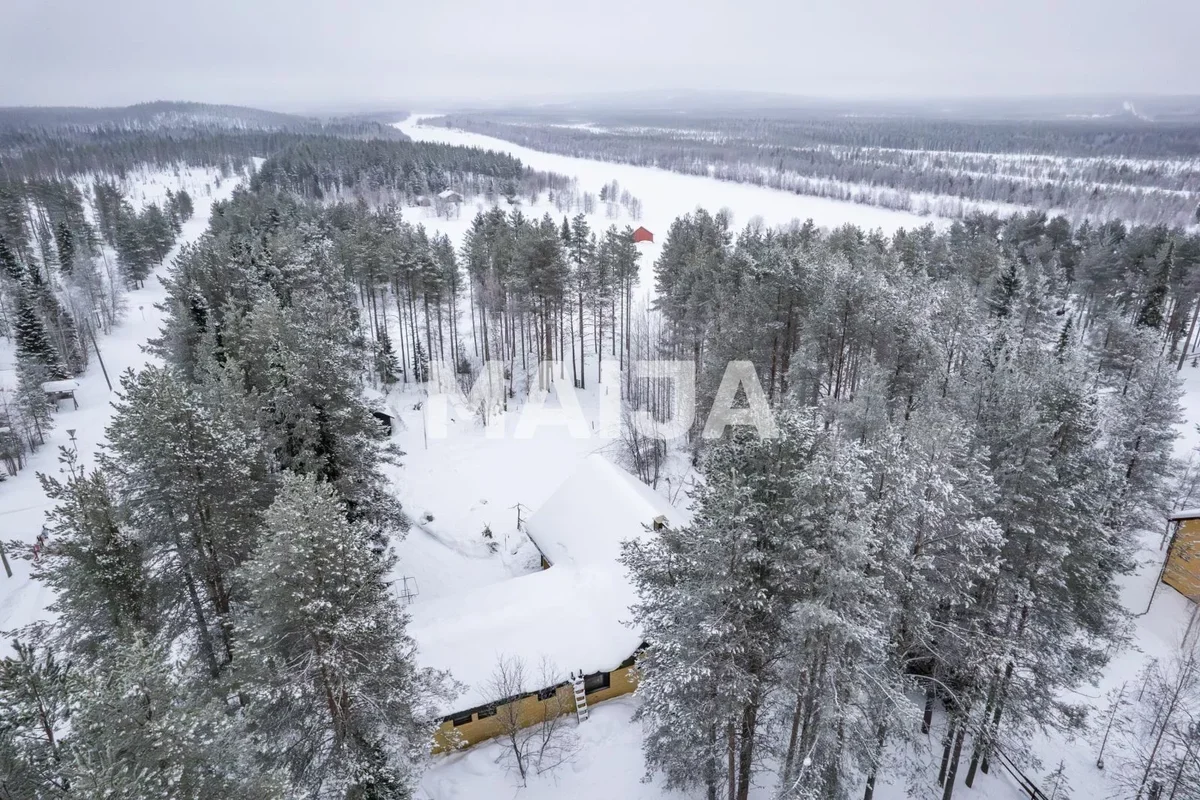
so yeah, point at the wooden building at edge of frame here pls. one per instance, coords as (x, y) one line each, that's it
(1182, 568)
(570, 614)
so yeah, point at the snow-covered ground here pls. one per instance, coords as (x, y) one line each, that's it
(608, 765)
(667, 195)
(23, 504)
(468, 480)
(460, 472)
(454, 487)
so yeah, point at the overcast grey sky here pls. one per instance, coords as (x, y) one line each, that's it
(292, 54)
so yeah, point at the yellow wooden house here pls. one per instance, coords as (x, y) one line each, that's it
(1182, 568)
(567, 623)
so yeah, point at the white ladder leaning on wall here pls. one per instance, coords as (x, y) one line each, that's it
(581, 704)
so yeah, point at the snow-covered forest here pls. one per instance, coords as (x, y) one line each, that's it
(1098, 170)
(900, 592)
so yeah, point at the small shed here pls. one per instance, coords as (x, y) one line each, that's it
(60, 390)
(1182, 568)
(643, 235)
(450, 196)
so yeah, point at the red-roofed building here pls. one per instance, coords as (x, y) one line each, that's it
(643, 235)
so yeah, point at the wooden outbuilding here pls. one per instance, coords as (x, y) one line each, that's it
(1182, 568)
(643, 235)
(60, 390)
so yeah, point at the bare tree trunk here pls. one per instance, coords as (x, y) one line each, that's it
(930, 695)
(947, 746)
(954, 759)
(582, 357)
(1187, 342)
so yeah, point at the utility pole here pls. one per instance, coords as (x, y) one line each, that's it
(92, 336)
(4, 560)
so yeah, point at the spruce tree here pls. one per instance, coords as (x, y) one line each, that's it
(65, 240)
(33, 342)
(1150, 315)
(387, 366)
(8, 261)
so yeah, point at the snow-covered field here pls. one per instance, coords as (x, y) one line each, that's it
(667, 195)
(22, 501)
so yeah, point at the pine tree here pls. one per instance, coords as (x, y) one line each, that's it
(184, 209)
(769, 576)
(35, 415)
(330, 668)
(33, 692)
(138, 730)
(188, 468)
(95, 563)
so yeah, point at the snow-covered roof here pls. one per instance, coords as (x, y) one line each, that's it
(1187, 513)
(572, 618)
(446, 194)
(593, 511)
(573, 614)
(60, 386)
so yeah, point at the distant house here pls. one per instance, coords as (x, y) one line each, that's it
(450, 196)
(643, 235)
(570, 615)
(1182, 568)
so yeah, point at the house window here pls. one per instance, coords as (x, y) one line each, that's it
(487, 711)
(462, 719)
(595, 682)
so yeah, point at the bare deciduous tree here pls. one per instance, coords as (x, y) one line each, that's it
(535, 728)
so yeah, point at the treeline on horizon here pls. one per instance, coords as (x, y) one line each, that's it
(1140, 173)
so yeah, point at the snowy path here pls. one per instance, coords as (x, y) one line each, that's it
(667, 195)
(23, 504)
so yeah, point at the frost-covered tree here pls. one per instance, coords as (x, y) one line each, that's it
(769, 582)
(192, 478)
(33, 690)
(334, 692)
(96, 563)
(138, 730)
